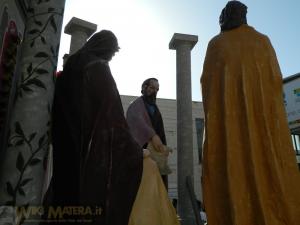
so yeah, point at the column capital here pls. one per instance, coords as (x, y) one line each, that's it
(180, 39)
(76, 24)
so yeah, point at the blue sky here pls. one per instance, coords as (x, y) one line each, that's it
(145, 27)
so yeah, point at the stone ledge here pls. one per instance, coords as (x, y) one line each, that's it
(76, 24)
(179, 39)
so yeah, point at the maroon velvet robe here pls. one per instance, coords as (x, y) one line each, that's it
(97, 163)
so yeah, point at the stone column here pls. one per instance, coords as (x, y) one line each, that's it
(23, 162)
(183, 44)
(80, 31)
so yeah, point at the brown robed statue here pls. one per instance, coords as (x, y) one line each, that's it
(97, 163)
(147, 127)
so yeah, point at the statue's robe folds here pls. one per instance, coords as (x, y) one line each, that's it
(143, 126)
(250, 175)
(152, 205)
(97, 163)
(139, 122)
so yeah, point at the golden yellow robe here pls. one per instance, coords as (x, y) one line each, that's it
(250, 175)
(152, 205)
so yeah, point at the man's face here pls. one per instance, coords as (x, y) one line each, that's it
(152, 88)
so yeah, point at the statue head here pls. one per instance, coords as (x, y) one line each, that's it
(149, 90)
(233, 15)
(103, 44)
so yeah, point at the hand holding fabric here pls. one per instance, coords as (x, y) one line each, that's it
(158, 145)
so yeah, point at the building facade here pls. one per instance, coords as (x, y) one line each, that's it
(291, 96)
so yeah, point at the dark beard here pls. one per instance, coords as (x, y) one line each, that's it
(151, 99)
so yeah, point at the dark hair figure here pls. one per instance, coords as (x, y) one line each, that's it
(146, 123)
(152, 205)
(233, 15)
(97, 163)
(250, 175)
(146, 83)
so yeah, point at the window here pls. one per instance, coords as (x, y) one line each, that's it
(199, 131)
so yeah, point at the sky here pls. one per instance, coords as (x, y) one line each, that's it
(144, 29)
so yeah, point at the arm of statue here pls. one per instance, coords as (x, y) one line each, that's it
(158, 145)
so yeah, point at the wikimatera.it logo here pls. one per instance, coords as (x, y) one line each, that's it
(20, 214)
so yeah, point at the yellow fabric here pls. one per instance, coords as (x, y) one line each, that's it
(152, 205)
(250, 176)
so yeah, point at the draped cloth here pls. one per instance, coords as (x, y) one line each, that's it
(97, 163)
(152, 205)
(250, 174)
(139, 122)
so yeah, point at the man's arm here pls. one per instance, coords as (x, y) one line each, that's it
(140, 126)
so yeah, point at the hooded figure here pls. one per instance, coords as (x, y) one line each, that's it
(250, 175)
(97, 164)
